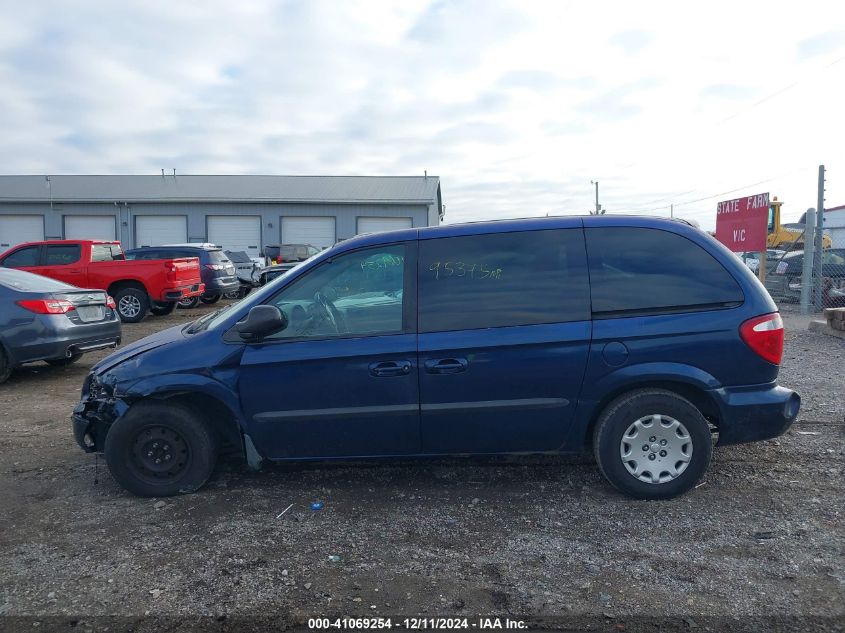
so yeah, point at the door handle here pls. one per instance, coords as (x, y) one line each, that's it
(446, 365)
(386, 368)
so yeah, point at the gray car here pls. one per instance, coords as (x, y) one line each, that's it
(49, 320)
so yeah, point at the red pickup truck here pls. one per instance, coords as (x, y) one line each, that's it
(138, 286)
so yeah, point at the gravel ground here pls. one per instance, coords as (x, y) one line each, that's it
(762, 536)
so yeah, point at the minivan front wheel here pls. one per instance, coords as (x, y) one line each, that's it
(159, 449)
(652, 444)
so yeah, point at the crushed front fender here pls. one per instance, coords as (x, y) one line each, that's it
(94, 414)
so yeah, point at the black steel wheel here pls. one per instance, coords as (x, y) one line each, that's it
(160, 449)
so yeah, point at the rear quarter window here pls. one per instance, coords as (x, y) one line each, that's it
(640, 270)
(502, 279)
(106, 253)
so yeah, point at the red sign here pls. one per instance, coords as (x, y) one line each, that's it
(742, 224)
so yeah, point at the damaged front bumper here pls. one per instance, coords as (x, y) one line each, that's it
(94, 414)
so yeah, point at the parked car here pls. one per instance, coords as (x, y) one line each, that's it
(218, 273)
(634, 338)
(752, 259)
(247, 271)
(137, 287)
(288, 255)
(49, 320)
(785, 280)
(284, 257)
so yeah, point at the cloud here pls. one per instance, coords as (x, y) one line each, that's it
(820, 44)
(515, 105)
(729, 92)
(543, 81)
(632, 42)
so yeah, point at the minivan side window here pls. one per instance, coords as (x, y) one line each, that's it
(24, 257)
(62, 254)
(361, 293)
(641, 271)
(502, 279)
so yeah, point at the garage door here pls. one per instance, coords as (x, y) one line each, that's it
(155, 230)
(318, 232)
(377, 225)
(236, 233)
(17, 229)
(89, 227)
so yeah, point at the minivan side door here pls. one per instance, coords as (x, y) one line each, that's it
(341, 379)
(504, 322)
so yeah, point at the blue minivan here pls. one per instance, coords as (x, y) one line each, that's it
(642, 340)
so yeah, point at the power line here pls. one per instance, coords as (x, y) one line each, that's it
(778, 92)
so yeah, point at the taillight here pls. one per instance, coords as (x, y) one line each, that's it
(110, 302)
(46, 306)
(764, 335)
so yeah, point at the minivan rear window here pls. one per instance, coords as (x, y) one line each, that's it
(502, 279)
(640, 270)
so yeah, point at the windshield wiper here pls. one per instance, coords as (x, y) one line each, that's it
(201, 323)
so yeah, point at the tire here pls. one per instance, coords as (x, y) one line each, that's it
(187, 303)
(210, 299)
(689, 440)
(235, 294)
(64, 362)
(132, 304)
(163, 309)
(5, 366)
(165, 430)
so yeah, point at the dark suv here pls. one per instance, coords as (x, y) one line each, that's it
(641, 340)
(218, 272)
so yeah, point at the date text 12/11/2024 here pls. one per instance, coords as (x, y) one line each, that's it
(416, 624)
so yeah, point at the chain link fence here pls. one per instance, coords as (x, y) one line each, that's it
(785, 276)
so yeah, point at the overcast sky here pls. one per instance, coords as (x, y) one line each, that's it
(517, 106)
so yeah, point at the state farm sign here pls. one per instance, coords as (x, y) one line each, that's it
(741, 224)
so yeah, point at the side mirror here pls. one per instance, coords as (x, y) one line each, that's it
(261, 321)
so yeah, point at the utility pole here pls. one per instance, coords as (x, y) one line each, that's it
(807, 270)
(817, 256)
(598, 206)
(672, 210)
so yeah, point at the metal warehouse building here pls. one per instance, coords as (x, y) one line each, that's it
(242, 213)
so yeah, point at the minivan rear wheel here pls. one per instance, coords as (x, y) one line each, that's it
(160, 449)
(652, 444)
